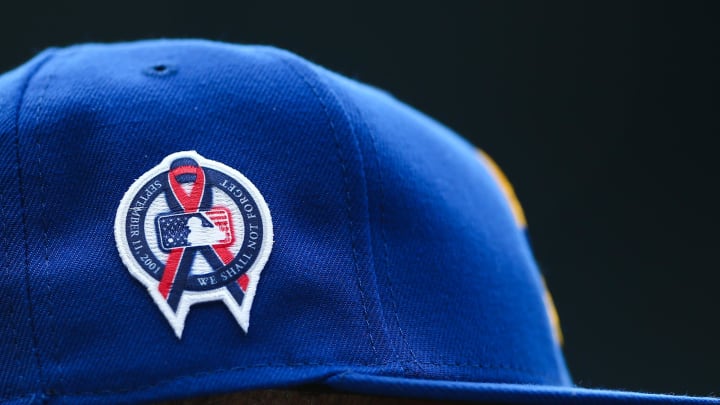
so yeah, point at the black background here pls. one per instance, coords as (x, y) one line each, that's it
(603, 115)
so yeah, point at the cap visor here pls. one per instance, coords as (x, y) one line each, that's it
(498, 392)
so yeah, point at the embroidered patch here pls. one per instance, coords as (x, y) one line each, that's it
(194, 230)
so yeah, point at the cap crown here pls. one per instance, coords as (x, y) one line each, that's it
(395, 250)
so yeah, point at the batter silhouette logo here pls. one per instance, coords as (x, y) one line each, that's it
(195, 230)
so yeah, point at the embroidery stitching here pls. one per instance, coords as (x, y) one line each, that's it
(194, 230)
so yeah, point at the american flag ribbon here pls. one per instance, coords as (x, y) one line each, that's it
(180, 258)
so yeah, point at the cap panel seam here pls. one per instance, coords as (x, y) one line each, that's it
(6, 265)
(24, 217)
(383, 240)
(348, 200)
(44, 226)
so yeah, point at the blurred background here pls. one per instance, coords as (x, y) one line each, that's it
(604, 116)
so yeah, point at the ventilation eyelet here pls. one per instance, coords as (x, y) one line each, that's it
(160, 69)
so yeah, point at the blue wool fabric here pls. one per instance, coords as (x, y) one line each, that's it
(397, 266)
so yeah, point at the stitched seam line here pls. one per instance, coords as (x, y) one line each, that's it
(383, 239)
(5, 246)
(45, 226)
(23, 209)
(348, 198)
(269, 365)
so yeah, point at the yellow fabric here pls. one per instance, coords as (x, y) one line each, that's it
(507, 189)
(521, 222)
(553, 315)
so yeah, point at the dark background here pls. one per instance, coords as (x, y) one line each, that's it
(604, 116)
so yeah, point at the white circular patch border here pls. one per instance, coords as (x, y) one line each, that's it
(177, 319)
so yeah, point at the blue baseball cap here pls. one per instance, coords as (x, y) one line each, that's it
(186, 218)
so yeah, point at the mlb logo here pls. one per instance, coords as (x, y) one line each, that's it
(206, 228)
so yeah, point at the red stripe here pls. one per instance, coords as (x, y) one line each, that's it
(190, 202)
(224, 253)
(168, 276)
(243, 281)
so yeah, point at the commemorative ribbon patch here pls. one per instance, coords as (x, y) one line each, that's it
(195, 230)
